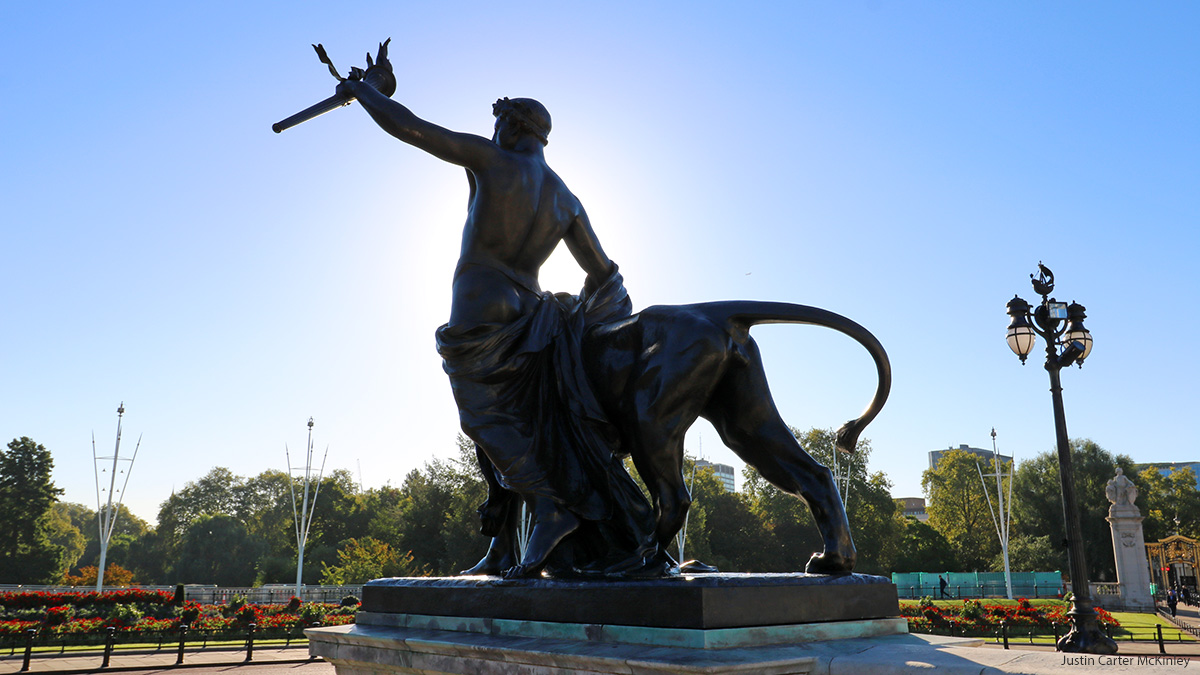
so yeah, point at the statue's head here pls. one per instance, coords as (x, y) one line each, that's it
(527, 114)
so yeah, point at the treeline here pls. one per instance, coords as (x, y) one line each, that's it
(960, 513)
(236, 531)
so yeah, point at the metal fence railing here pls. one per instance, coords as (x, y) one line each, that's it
(1005, 635)
(263, 595)
(219, 595)
(182, 641)
(980, 590)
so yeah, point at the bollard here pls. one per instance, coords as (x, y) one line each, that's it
(315, 624)
(30, 634)
(250, 642)
(1162, 649)
(1004, 632)
(108, 645)
(183, 629)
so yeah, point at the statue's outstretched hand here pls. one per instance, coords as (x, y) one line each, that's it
(345, 89)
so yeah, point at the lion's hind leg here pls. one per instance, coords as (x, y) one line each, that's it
(744, 414)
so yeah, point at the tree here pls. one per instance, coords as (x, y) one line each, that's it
(213, 494)
(64, 534)
(739, 540)
(958, 508)
(1030, 553)
(218, 550)
(27, 555)
(1161, 499)
(922, 549)
(464, 544)
(361, 560)
(114, 575)
(869, 508)
(1038, 507)
(264, 503)
(794, 533)
(126, 529)
(433, 514)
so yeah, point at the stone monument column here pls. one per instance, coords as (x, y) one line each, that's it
(1129, 546)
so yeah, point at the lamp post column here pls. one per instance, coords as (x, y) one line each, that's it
(1085, 634)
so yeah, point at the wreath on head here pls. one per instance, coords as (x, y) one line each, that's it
(519, 112)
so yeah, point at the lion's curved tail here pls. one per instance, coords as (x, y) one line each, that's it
(740, 315)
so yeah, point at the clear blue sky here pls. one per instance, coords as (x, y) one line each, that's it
(906, 164)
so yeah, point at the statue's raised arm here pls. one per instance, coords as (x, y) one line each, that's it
(467, 150)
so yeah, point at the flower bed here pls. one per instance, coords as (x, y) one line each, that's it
(34, 599)
(83, 617)
(983, 618)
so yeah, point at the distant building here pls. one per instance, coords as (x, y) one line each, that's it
(913, 507)
(1165, 468)
(935, 456)
(724, 473)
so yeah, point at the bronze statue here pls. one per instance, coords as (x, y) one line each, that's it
(556, 389)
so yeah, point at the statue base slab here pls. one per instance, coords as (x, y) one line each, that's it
(697, 602)
(377, 649)
(719, 623)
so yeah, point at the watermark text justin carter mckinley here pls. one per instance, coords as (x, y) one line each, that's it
(1116, 660)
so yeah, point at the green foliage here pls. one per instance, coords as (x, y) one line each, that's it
(59, 615)
(125, 614)
(1037, 502)
(27, 554)
(958, 509)
(188, 612)
(64, 534)
(737, 537)
(1163, 498)
(433, 514)
(230, 530)
(218, 550)
(971, 610)
(922, 548)
(1030, 553)
(361, 560)
(792, 534)
(312, 612)
(127, 529)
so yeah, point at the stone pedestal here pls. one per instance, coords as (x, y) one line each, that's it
(723, 623)
(704, 625)
(1129, 545)
(1129, 553)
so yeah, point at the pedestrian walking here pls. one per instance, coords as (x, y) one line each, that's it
(942, 586)
(1172, 600)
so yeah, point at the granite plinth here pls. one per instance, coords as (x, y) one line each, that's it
(704, 602)
(375, 650)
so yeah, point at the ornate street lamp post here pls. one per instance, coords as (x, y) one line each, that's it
(1065, 345)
